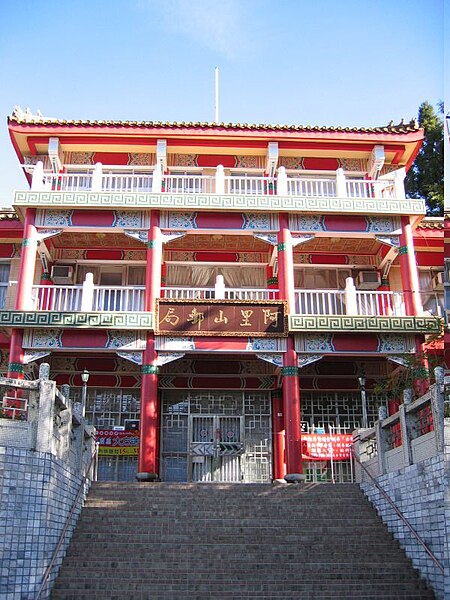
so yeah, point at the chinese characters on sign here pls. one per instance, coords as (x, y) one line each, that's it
(221, 317)
(113, 443)
(326, 447)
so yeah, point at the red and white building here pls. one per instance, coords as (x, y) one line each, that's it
(235, 291)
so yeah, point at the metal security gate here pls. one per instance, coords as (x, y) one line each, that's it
(215, 448)
(213, 436)
(117, 468)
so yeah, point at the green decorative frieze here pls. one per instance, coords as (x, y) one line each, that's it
(150, 370)
(348, 324)
(152, 244)
(86, 320)
(16, 367)
(266, 203)
(289, 371)
(281, 247)
(46, 277)
(403, 250)
(272, 281)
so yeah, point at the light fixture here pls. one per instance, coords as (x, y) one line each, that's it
(84, 379)
(85, 376)
(362, 386)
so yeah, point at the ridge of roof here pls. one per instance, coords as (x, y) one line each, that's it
(26, 118)
(431, 223)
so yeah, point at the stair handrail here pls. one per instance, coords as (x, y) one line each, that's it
(398, 512)
(66, 526)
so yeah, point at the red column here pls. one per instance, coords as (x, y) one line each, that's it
(291, 406)
(413, 302)
(154, 260)
(272, 281)
(148, 468)
(24, 292)
(16, 355)
(291, 388)
(279, 469)
(27, 262)
(408, 270)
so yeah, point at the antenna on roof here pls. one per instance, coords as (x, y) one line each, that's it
(216, 118)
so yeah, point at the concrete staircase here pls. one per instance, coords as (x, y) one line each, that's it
(233, 541)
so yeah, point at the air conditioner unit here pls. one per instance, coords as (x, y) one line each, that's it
(438, 281)
(368, 280)
(62, 273)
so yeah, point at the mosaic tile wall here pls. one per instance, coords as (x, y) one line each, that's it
(37, 491)
(421, 492)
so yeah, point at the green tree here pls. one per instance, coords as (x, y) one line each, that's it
(425, 179)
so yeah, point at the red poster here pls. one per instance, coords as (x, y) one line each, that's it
(109, 437)
(117, 443)
(316, 446)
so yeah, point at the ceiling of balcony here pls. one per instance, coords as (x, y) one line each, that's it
(88, 240)
(257, 250)
(339, 245)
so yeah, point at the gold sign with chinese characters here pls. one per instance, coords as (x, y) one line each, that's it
(221, 318)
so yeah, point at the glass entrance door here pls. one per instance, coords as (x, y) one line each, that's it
(215, 448)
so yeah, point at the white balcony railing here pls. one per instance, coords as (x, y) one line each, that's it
(317, 188)
(131, 299)
(101, 179)
(67, 182)
(320, 302)
(114, 182)
(250, 294)
(385, 304)
(250, 186)
(118, 299)
(188, 184)
(363, 188)
(70, 298)
(57, 298)
(184, 293)
(337, 302)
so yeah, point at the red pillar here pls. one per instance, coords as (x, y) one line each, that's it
(291, 406)
(408, 270)
(279, 468)
(16, 355)
(413, 302)
(24, 292)
(154, 260)
(272, 281)
(27, 262)
(148, 468)
(291, 387)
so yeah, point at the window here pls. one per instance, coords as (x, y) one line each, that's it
(4, 280)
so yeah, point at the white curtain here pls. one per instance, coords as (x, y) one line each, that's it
(317, 278)
(205, 276)
(83, 269)
(136, 275)
(431, 300)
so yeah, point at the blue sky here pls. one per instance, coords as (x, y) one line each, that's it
(314, 62)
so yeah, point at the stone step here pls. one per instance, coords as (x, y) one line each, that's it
(212, 586)
(190, 541)
(161, 572)
(274, 594)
